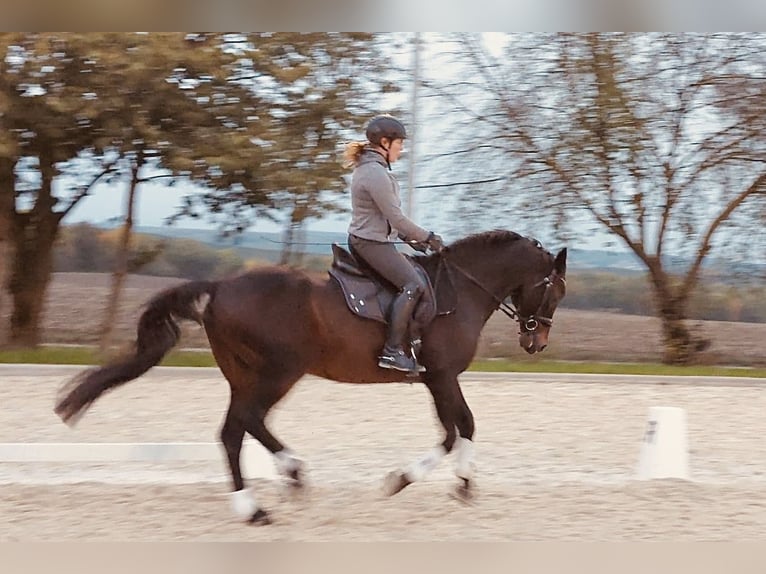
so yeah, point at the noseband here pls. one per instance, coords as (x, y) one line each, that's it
(530, 323)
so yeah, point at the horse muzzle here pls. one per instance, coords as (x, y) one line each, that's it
(533, 341)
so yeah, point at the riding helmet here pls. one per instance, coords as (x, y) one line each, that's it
(385, 126)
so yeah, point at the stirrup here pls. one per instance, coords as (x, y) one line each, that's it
(398, 360)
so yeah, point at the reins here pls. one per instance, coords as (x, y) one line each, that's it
(530, 323)
(509, 310)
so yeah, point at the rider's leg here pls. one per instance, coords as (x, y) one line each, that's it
(384, 258)
(396, 352)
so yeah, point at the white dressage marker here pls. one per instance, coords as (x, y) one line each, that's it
(665, 447)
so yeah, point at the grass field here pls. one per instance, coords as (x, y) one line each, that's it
(189, 358)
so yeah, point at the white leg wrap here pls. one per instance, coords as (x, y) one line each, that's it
(464, 466)
(287, 462)
(243, 503)
(421, 467)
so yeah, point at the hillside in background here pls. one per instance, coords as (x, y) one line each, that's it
(598, 280)
(76, 302)
(269, 245)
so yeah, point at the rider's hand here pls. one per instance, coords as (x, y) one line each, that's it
(435, 242)
(421, 246)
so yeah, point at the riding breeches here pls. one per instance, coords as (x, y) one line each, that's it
(386, 260)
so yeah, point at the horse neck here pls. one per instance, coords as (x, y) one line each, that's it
(500, 269)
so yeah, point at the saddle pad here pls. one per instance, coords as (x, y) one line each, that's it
(361, 294)
(370, 299)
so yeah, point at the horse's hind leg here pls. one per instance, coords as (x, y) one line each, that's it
(242, 500)
(247, 412)
(286, 462)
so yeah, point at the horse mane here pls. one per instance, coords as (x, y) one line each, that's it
(487, 238)
(493, 238)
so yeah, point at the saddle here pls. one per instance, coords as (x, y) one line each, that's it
(370, 296)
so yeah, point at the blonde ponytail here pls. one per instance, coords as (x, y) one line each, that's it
(352, 153)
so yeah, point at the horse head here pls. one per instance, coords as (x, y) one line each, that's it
(536, 300)
(507, 266)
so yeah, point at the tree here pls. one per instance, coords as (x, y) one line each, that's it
(256, 119)
(659, 139)
(79, 103)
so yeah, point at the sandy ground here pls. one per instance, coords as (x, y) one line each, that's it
(556, 460)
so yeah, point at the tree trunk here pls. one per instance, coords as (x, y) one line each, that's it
(294, 237)
(121, 263)
(7, 209)
(287, 247)
(677, 340)
(680, 346)
(34, 235)
(299, 237)
(30, 276)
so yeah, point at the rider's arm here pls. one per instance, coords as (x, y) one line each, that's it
(382, 192)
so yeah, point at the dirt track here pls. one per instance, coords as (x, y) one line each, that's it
(556, 461)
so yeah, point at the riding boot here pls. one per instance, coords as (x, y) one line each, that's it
(394, 355)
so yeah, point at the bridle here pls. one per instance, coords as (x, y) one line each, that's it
(530, 323)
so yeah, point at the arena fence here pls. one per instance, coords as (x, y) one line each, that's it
(256, 461)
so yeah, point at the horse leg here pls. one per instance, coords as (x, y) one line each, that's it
(444, 396)
(287, 463)
(242, 501)
(464, 449)
(247, 413)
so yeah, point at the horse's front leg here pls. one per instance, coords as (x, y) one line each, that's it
(464, 450)
(445, 393)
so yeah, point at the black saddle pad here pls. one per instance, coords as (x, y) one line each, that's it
(370, 297)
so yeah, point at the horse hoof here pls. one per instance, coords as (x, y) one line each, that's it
(296, 490)
(296, 480)
(463, 492)
(260, 518)
(394, 482)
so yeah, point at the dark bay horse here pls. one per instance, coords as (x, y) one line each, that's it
(270, 326)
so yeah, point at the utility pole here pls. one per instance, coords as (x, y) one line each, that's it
(413, 131)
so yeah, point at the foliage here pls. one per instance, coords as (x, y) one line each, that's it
(253, 118)
(77, 108)
(86, 248)
(713, 300)
(316, 90)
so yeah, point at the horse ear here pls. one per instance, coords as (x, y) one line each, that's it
(560, 265)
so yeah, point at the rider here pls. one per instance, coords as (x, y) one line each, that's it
(377, 221)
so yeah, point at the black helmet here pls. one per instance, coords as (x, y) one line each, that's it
(385, 127)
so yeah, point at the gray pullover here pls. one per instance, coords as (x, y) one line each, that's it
(376, 203)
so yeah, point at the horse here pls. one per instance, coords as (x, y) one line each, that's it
(270, 326)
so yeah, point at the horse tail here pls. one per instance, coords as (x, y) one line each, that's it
(157, 333)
